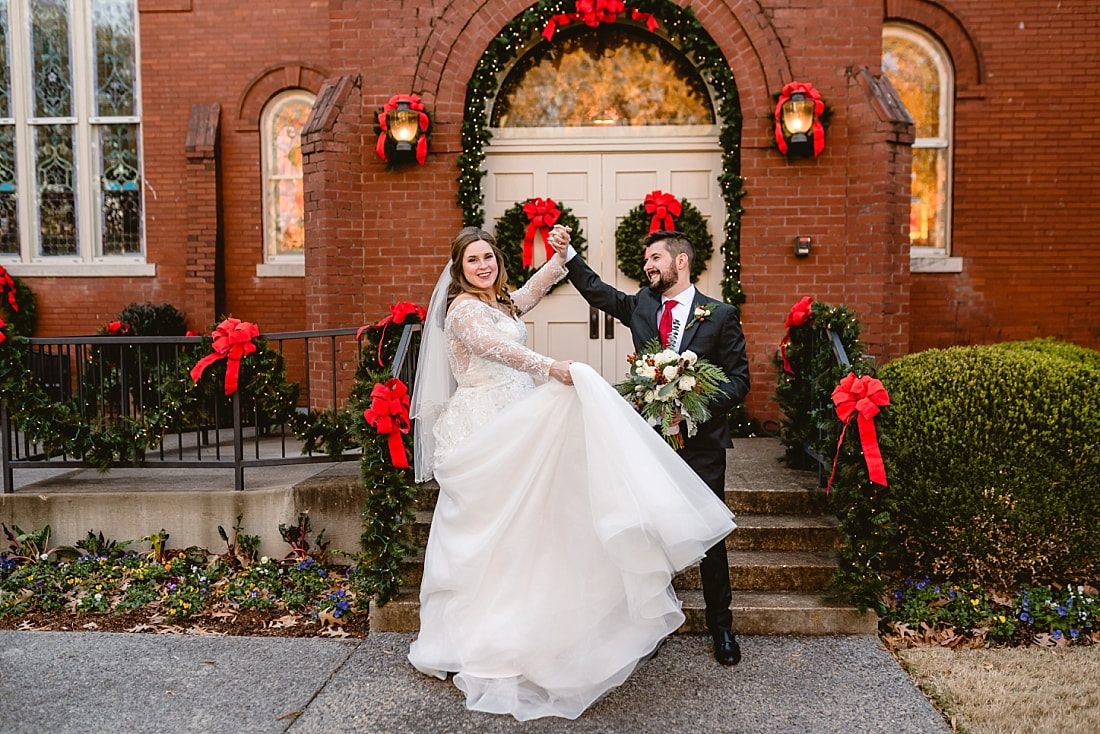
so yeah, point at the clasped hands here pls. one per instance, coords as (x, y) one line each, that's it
(559, 238)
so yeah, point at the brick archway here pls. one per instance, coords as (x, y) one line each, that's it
(466, 27)
(268, 83)
(952, 32)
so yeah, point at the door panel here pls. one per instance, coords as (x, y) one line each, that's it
(600, 188)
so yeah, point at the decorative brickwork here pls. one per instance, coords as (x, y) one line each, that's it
(202, 281)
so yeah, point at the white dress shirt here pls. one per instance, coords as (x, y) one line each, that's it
(680, 314)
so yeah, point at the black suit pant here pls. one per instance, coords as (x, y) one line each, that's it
(710, 465)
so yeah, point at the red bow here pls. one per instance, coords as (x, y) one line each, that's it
(543, 213)
(398, 313)
(663, 207)
(118, 327)
(863, 396)
(800, 313)
(819, 108)
(594, 12)
(416, 106)
(7, 284)
(232, 341)
(389, 414)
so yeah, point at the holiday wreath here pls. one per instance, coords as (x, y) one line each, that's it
(524, 227)
(661, 211)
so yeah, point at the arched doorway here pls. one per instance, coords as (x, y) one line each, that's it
(596, 120)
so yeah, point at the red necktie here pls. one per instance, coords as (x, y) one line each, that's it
(665, 327)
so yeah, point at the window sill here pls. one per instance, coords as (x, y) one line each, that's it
(78, 269)
(940, 264)
(281, 270)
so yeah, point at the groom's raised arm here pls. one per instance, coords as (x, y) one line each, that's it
(600, 294)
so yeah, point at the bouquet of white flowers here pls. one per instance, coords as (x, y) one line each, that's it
(664, 384)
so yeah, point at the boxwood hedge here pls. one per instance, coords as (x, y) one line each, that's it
(996, 474)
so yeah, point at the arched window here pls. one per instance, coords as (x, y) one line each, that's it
(920, 69)
(613, 75)
(284, 211)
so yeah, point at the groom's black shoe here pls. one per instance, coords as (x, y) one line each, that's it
(726, 649)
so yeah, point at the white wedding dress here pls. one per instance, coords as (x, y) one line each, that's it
(561, 519)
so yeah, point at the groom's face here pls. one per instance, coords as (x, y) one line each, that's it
(660, 268)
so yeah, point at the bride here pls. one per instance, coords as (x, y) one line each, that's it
(562, 515)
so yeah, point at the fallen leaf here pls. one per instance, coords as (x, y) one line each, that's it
(211, 662)
(90, 626)
(170, 692)
(329, 619)
(329, 632)
(141, 628)
(288, 715)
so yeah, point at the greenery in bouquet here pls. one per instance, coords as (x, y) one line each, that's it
(664, 385)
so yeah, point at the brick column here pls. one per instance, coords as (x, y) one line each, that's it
(332, 161)
(203, 280)
(877, 263)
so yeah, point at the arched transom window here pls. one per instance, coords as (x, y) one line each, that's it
(613, 75)
(920, 70)
(284, 211)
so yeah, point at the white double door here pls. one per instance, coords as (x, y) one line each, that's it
(600, 188)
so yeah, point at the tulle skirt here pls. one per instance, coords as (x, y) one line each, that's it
(548, 570)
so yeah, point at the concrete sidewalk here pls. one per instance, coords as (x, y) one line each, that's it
(101, 682)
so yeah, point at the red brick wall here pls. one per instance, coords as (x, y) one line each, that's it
(1026, 176)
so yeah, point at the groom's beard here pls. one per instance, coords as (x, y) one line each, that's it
(664, 282)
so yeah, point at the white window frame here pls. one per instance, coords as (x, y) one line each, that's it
(89, 261)
(274, 264)
(921, 258)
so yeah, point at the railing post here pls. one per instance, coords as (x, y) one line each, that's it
(5, 426)
(238, 444)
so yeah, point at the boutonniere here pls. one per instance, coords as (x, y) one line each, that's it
(702, 313)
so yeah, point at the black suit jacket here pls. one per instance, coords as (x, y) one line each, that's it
(718, 339)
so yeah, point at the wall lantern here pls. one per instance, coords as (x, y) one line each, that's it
(798, 128)
(403, 130)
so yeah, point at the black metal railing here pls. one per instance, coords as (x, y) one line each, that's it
(821, 398)
(117, 379)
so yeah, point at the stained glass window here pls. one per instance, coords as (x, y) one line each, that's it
(9, 218)
(69, 131)
(921, 72)
(606, 76)
(284, 207)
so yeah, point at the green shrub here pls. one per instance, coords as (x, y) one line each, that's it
(997, 471)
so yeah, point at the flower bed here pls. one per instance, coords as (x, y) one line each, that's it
(100, 585)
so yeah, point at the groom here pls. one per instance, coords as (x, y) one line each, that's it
(683, 318)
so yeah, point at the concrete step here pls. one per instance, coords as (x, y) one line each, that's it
(809, 533)
(749, 571)
(769, 571)
(754, 613)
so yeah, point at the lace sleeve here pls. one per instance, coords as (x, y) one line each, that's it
(472, 323)
(537, 286)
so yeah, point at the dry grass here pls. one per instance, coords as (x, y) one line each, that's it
(1011, 690)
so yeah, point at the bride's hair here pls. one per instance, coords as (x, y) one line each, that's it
(466, 237)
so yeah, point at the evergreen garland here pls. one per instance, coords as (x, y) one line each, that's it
(512, 228)
(632, 231)
(866, 511)
(24, 320)
(391, 492)
(683, 29)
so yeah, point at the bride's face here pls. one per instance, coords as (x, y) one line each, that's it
(480, 266)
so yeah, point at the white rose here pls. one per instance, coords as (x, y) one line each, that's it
(648, 372)
(263, 559)
(670, 372)
(650, 396)
(666, 357)
(690, 356)
(687, 382)
(639, 363)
